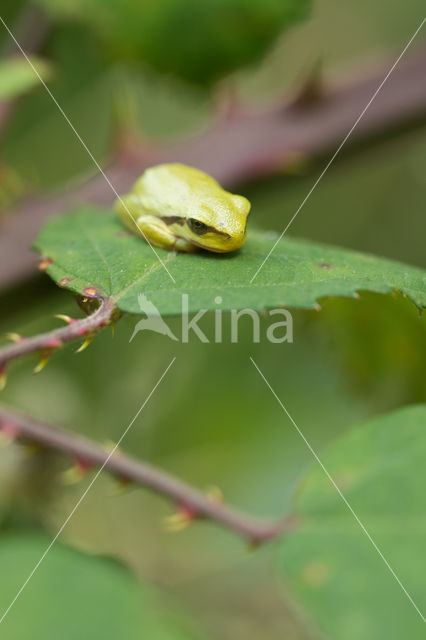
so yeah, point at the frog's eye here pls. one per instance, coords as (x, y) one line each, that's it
(197, 227)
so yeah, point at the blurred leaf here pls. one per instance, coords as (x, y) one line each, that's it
(90, 249)
(330, 564)
(74, 595)
(17, 76)
(382, 347)
(83, 87)
(198, 41)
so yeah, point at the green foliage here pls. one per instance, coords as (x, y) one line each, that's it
(17, 76)
(74, 595)
(197, 41)
(83, 89)
(90, 249)
(203, 436)
(330, 563)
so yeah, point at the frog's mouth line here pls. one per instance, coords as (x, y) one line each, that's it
(211, 249)
(214, 249)
(215, 232)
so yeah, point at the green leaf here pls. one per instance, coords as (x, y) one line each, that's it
(330, 564)
(17, 76)
(90, 250)
(75, 595)
(209, 39)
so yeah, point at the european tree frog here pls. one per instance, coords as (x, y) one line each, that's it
(182, 208)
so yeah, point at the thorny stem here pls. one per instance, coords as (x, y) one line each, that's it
(44, 343)
(128, 469)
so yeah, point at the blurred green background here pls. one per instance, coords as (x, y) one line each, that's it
(212, 421)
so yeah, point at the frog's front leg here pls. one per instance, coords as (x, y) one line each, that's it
(158, 233)
(151, 228)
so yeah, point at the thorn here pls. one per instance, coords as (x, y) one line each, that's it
(293, 163)
(44, 359)
(3, 378)
(51, 344)
(231, 106)
(83, 464)
(180, 520)
(8, 433)
(85, 344)
(65, 318)
(71, 476)
(112, 323)
(14, 337)
(357, 296)
(121, 485)
(31, 448)
(77, 472)
(253, 545)
(110, 446)
(312, 89)
(318, 307)
(215, 495)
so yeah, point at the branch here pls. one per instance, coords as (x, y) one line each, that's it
(46, 343)
(191, 502)
(242, 145)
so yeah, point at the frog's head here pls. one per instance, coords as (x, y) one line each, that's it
(194, 206)
(218, 224)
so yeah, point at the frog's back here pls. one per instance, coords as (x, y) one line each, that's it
(175, 186)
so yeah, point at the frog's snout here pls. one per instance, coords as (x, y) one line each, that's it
(229, 243)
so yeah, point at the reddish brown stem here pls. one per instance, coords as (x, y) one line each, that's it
(126, 468)
(46, 342)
